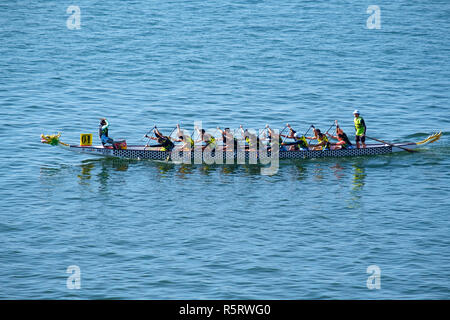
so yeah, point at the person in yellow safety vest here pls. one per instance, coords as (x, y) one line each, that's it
(323, 143)
(360, 127)
(299, 143)
(207, 138)
(252, 141)
(188, 142)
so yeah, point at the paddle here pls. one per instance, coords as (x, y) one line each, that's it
(242, 131)
(282, 141)
(304, 135)
(311, 126)
(390, 144)
(330, 128)
(193, 131)
(145, 135)
(171, 132)
(262, 131)
(326, 133)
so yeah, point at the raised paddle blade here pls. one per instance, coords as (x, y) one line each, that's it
(330, 128)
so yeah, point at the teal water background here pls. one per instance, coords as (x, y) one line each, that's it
(151, 230)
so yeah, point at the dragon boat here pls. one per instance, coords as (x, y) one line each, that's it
(138, 152)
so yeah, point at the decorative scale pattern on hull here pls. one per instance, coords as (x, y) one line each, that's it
(239, 156)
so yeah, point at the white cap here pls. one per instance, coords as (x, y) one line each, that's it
(297, 135)
(356, 111)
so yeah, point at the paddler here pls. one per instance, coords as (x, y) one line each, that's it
(252, 141)
(323, 143)
(343, 140)
(299, 143)
(103, 132)
(291, 133)
(208, 139)
(163, 141)
(229, 142)
(188, 143)
(360, 127)
(270, 135)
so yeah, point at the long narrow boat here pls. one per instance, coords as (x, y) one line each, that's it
(241, 156)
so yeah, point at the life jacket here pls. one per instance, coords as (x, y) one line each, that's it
(323, 138)
(191, 141)
(166, 144)
(360, 126)
(250, 142)
(211, 143)
(301, 142)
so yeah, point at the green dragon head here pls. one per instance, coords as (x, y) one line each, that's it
(52, 140)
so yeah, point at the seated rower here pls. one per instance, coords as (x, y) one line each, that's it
(299, 143)
(323, 143)
(229, 142)
(208, 139)
(103, 133)
(163, 141)
(271, 134)
(291, 133)
(343, 140)
(252, 141)
(188, 143)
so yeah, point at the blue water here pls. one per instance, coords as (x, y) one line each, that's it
(151, 230)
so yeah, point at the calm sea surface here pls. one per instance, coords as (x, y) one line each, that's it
(152, 230)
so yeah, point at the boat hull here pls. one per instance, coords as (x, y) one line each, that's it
(139, 152)
(239, 156)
